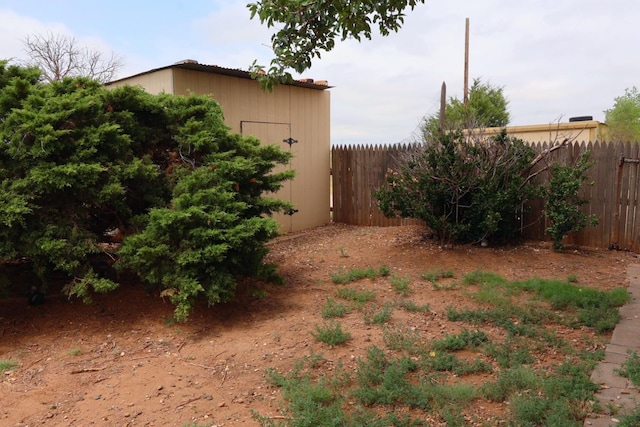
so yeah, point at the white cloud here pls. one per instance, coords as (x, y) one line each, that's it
(553, 58)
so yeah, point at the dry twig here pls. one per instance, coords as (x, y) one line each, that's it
(82, 371)
(188, 401)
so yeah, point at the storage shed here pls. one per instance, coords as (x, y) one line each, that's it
(294, 116)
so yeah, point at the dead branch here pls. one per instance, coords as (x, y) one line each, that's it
(224, 374)
(546, 152)
(541, 156)
(189, 401)
(82, 371)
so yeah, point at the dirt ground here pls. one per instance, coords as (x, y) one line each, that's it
(122, 361)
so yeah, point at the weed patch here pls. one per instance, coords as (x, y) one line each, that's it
(631, 419)
(331, 333)
(413, 307)
(400, 285)
(8, 365)
(403, 340)
(513, 352)
(343, 277)
(379, 317)
(464, 339)
(331, 309)
(412, 372)
(631, 368)
(437, 274)
(311, 402)
(359, 298)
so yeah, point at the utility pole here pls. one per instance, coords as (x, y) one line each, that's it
(443, 104)
(466, 64)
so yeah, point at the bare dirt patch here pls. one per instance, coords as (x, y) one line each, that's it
(123, 361)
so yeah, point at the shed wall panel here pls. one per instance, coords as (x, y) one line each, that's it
(305, 113)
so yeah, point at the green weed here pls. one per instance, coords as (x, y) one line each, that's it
(446, 287)
(413, 307)
(384, 271)
(379, 317)
(331, 308)
(405, 340)
(386, 381)
(464, 339)
(447, 362)
(8, 365)
(343, 277)
(259, 293)
(513, 352)
(580, 306)
(509, 382)
(480, 277)
(75, 351)
(359, 298)
(321, 400)
(331, 333)
(631, 419)
(631, 368)
(434, 275)
(316, 402)
(595, 308)
(503, 316)
(544, 399)
(400, 284)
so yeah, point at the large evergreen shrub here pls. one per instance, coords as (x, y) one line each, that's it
(78, 161)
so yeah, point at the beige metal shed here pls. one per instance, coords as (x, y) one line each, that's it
(294, 116)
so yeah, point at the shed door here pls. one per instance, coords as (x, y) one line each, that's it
(276, 133)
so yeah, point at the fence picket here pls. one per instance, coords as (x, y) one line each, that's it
(360, 170)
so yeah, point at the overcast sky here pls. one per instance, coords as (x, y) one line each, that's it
(555, 58)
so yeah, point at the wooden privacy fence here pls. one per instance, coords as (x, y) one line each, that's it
(612, 189)
(356, 173)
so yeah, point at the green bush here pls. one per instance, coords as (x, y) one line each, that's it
(79, 161)
(213, 232)
(563, 200)
(465, 189)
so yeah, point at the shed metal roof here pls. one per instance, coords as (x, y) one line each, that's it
(190, 64)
